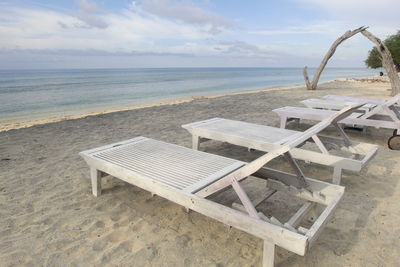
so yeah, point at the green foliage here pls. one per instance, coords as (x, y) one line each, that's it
(374, 59)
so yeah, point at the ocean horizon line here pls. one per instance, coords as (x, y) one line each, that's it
(178, 68)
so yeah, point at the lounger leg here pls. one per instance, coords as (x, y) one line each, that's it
(337, 175)
(195, 142)
(95, 175)
(268, 254)
(283, 122)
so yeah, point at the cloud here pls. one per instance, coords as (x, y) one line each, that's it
(125, 31)
(241, 48)
(382, 16)
(89, 13)
(188, 12)
(150, 31)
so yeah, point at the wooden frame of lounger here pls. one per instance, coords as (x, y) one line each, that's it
(331, 104)
(361, 100)
(118, 160)
(242, 134)
(373, 107)
(372, 118)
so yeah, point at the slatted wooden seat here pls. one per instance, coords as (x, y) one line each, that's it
(157, 161)
(187, 177)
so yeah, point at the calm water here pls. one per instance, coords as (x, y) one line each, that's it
(27, 94)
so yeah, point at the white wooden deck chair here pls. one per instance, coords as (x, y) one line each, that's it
(387, 108)
(382, 116)
(331, 104)
(187, 177)
(361, 100)
(267, 138)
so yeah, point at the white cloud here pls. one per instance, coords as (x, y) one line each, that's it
(382, 16)
(89, 13)
(187, 12)
(184, 29)
(133, 29)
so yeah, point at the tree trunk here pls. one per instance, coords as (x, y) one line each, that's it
(313, 85)
(387, 61)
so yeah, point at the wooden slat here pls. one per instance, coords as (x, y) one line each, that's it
(158, 160)
(299, 215)
(333, 104)
(238, 129)
(319, 115)
(354, 99)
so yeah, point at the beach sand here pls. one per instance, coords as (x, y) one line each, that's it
(48, 216)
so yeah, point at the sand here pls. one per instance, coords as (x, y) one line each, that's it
(49, 217)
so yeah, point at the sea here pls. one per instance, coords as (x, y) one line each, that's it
(38, 94)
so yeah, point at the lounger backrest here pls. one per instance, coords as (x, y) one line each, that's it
(258, 163)
(393, 100)
(338, 116)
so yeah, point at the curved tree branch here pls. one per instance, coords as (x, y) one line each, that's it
(313, 85)
(387, 61)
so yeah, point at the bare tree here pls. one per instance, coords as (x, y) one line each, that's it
(387, 60)
(313, 85)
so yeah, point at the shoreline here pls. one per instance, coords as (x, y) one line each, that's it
(52, 119)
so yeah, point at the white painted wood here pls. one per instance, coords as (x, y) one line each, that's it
(255, 200)
(322, 220)
(124, 162)
(337, 175)
(302, 230)
(387, 108)
(299, 215)
(211, 178)
(319, 115)
(95, 177)
(243, 172)
(267, 138)
(244, 199)
(283, 122)
(268, 254)
(346, 139)
(195, 142)
(328, 104)
(282, 237)
(299, 173)
(158, 160)
(320, 144)
(359, 99)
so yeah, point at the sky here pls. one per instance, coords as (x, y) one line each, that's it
(188, 33)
